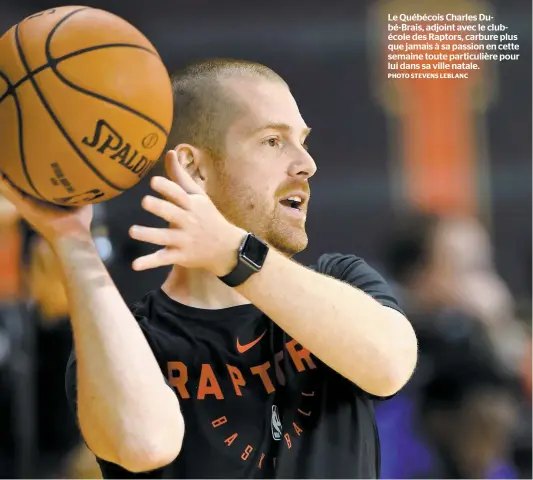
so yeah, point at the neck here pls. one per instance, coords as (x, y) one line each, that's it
(200, 289)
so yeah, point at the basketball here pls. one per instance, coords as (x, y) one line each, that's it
(85, 105)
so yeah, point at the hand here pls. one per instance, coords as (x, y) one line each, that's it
(198, 235)
(51, 221)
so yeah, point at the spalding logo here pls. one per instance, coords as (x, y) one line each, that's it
(150, 141)
(107, 141)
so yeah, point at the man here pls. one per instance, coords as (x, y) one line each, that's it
(226, 330)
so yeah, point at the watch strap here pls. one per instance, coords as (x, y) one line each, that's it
(245, 268)
(238, 275)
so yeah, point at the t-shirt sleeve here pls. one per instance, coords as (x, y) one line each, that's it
(108, 469)
(359, 274)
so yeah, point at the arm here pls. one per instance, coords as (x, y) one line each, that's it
(372, 345)
(127, 413)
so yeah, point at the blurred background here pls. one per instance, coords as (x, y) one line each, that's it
(428, 181)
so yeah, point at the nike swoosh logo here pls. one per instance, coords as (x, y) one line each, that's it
(245, 348)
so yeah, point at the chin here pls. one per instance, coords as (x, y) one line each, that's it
(289, 243)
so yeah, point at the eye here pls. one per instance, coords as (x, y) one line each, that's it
(272, 142)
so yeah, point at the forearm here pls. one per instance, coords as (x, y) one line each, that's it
(343, 326)
(127, 413)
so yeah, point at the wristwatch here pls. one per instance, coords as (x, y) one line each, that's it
(250, 258)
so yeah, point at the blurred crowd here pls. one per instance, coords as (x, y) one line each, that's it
(466, 413)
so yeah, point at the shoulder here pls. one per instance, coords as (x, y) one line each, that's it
(357, 272)
(145, 307)
(337, 264)
(349, 268)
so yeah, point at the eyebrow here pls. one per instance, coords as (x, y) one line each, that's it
(283, 127)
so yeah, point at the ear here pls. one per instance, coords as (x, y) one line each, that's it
(192, 160)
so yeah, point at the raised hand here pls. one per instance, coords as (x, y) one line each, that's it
(198, 235)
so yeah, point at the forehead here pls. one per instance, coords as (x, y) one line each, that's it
(262, 102)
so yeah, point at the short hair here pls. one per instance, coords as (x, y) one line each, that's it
(203, 108)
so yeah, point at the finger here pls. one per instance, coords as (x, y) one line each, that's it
(171, 191)
(157, 236)
(161, 258)
(163, 209)
(179, 175)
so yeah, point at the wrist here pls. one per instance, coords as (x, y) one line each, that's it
(228, 258)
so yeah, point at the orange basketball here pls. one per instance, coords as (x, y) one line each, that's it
(85, 105)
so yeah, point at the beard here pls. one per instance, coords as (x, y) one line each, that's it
(245, 208)
(284, 235)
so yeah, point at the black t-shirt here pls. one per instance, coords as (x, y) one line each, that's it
(257, 404)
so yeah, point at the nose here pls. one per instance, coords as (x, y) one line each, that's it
(302, 164)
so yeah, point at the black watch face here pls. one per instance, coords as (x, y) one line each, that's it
(254, 252)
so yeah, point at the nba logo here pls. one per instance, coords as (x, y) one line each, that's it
(275, 424)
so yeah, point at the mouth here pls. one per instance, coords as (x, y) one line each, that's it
(295, 201)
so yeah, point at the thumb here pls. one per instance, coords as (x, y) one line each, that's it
(179, 175)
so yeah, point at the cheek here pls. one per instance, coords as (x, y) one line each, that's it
(248, 188)
(259, 201)
(256, 190)
(234, 195)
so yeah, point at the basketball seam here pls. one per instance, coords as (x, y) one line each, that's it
(67, 57)
(56, 120)
(21, 138)
(66, 81)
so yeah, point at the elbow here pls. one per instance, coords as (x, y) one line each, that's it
(396, 364)
(142, 446)
(392, 381)
(153, 453)
(399, 364)
(148, 457)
